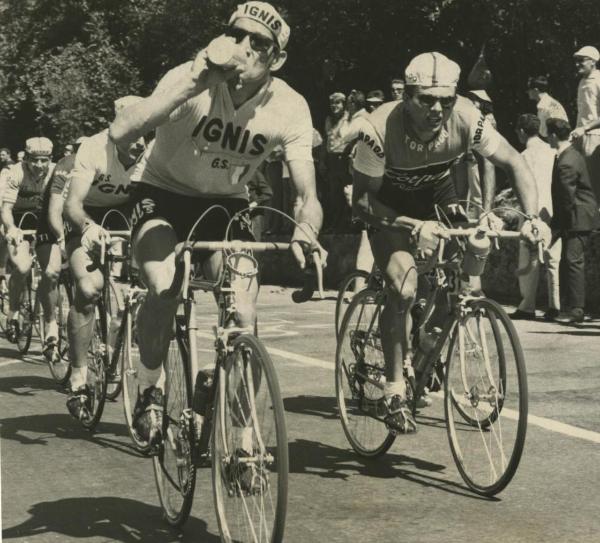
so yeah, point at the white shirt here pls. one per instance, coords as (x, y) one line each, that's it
(210, 148)
(540, 157)
(588, 100)
(336, 132)
(548, 108)
(97, 162)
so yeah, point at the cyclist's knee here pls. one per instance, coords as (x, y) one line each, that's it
(21, 267)
(88, 290)
(51, 275)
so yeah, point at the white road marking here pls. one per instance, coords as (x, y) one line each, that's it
(541, 422)
(315, 326)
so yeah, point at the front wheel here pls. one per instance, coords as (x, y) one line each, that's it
(25, 320)
(250, 452)
(486, 397)
(96, 378)
(353, 283)
(60, 366)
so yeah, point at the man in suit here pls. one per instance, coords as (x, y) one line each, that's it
(575, 212)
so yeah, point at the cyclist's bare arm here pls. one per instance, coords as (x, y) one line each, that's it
(307, 209)
(81, 183)
(519, 174)
(367, 207)
(488, 181)
(176, 88)
(6, 214)
(55, 217)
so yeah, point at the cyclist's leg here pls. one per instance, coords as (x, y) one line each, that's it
(50, 260)
(80, 324)
(392, 255)
(3, 255)
(20, 258)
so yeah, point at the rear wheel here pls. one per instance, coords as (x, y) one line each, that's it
(174, 470)
(360, 375)
(351, 284)
(3, 302)
(486, 398)
(114, 314)
(250, 452)
(25, 320)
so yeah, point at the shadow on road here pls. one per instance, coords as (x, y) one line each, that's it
(109, 519)
(28, 385)
(571, 332)
(316, 406)
(314, 458)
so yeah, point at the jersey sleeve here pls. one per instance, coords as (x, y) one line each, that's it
(168, 80)
(370, 157)
(59, 183)
(298, 134)
(87, 162)
(483, 137)
(12, 182)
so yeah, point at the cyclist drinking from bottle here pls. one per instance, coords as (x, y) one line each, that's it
(402, 176)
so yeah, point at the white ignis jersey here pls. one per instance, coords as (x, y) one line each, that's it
(210, 148)
(19, 187)
(97, 163)
(388, 148)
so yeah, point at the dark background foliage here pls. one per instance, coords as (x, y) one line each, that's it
(63, 62)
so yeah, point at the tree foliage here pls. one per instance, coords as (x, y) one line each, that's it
(63, 62)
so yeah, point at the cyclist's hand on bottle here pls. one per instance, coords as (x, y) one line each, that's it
(93, 236)
(535, 230)
(304, 242)
(577, 133)
(491, 221)
(427, 236)
(14, 236)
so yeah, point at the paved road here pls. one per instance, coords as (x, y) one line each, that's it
(59, 483)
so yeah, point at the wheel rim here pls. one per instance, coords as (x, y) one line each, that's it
(485, 400)
(246, 419)
(25, 321)
(359, 355)
(60, 367)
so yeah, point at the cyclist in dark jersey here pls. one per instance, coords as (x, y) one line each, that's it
(402, 178)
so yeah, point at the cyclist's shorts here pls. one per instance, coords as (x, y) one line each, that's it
(421, 204)
(181, 212)
(116, 217)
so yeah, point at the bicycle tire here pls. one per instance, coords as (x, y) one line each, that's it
(130, 361)
(60, 369)
(174, 470)
(347, 285)
(248, 396)
(3, 303)
(114, 311)
(97, 378)
(25, 320)
(360, 403)
(479, 393)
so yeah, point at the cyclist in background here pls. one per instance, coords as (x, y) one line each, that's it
(214, 127)
(22, 187)
(402, 174)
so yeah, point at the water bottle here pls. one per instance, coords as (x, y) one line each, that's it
(223, 52)
(478, 248)
(203, 391)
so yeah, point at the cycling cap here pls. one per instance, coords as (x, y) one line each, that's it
(38, 147)
(432, 70)
(126, 101)
(266, 15)
(376, 96)
(482, 95)
(589, 52)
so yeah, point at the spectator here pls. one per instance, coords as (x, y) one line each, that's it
(547, 107)
(587, 133)
(575, 212)
(336, 162)
(374, 99)
(396, 89)
(5, 158)
(356, 105)
(69, 150)
(540, 157)
(259, 194)
(20, 156)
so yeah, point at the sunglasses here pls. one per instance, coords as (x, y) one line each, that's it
(258, 42)
(429, 100)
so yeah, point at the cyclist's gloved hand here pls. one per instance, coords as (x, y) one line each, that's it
(304, 242)
(93, 236)
(491, 221)
(535, 230)
(14, 236)
(426, 237)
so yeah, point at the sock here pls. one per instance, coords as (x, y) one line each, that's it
(148, 377)
(394, 388)
(52, 329)
(78, 377)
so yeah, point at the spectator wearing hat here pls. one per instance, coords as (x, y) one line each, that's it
(575, 212)
(5, 158)
(540, 157)
(374, 99)
(336, 164)
(587, 133)
(396, 89)
(547, 106)
(69, 150)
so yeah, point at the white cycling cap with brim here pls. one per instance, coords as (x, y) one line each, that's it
(38, 146)
(266, 15)
(432, 70)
